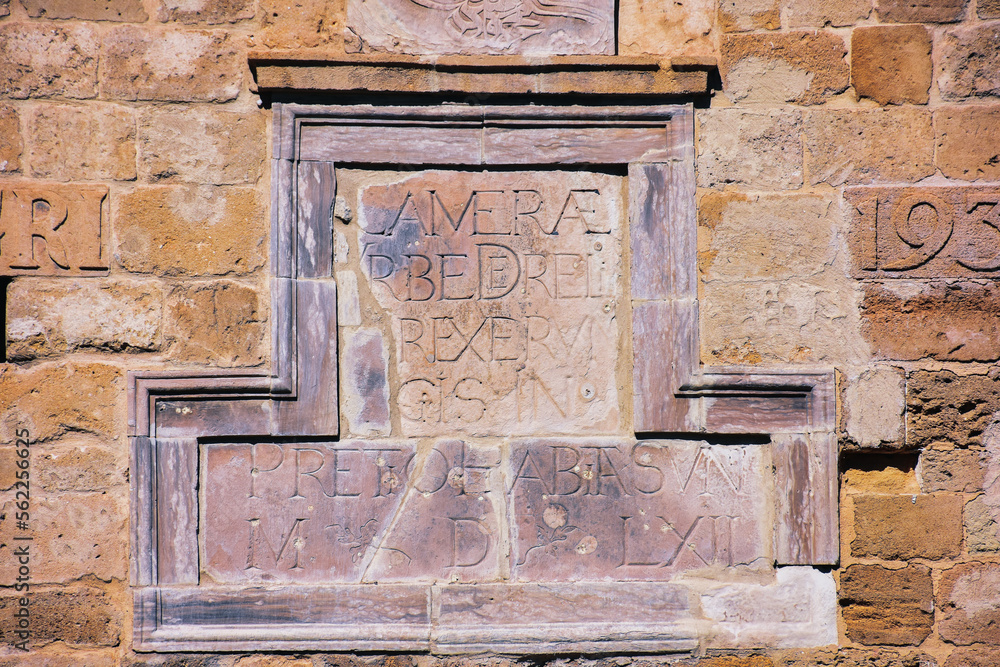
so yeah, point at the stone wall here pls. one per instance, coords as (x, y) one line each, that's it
(153, 100)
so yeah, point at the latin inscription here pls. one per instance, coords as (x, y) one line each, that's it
(531, 511)
(484, 26)
(52, 230)
(503, 290)
(925, 232)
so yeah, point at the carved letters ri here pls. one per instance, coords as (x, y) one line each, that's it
(503, 291)
(52, 230)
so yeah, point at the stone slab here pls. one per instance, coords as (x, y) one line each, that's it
(503, 292)
(53, 230)
(924, 232)
(484, 27)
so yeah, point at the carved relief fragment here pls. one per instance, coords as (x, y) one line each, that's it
(503, 293)
(528, 27)
(53, 230)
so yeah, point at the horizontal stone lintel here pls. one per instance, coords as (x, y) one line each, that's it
(307, 70)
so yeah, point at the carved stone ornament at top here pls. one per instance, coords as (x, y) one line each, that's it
(526, 27)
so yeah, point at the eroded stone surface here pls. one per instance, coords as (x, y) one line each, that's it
(11, 144)
(366, 383)
(502, 291)
(934, 415)
(920, 11)
(968, 62)
(910, 526)
(883, 606)
(875, 402)
(891, 64)
(465, 26)
(82, 143)
(967, 608)
(758, 149)
(44, 60)
(968, 142)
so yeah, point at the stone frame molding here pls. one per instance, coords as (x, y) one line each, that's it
(296, 399)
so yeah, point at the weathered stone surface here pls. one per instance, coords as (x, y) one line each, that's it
(348, 304)
(87, 10)
(140, 63)
(891, 64)
(968, 61)
(747, 237)
(855, 146)
(874, 403)
(836, 13)
(967, 611)
(948, 321)
(11, 144)
(910, 526)
(598, 509)
(73, 535)
(54, 399)
(57, 316)
(943, 467)
(798, 608)
(758, 149)
(883, 606)
(272, 661)
(201, 145)
(50, 229)
(988, 9)
(853, 657)
(204, 11)
(671, 30)
(944, 407)
(930, 232)
(741, 15)
(191, 231)
(4, 8)
(95, 142)
(219, 323)
(366, 383)
(57, 657)
(802, 67)
(968, 143)
(78, 463)
(76, 615)
(304, 23)
(972, 656)
(920, 11)
(46, 60)
(516, 26)
(982, 529)
(503, 292)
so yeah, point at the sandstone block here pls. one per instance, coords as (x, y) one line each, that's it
(920, 11)
(95, 142)
(883, 606)
(805, 67)
(891, 64)
(854, 146)
(874, 404)
(4, 8)
(943, 467)
(741, 15)
(304, 23)
(967, 610)
(46, 60)
(765, 236)
(57, 657)
(11, 144)
(947, 321)
(191, 231)
(201, 145)
(73, 535)
(76, 615)
(87, 10)
(979, 655)
(348, 304)
(54, 399)
(909, 526)
(944, 407)
(968, 61)
(78, 464)
(139, 63)
(758, 149)
(673, 30)
(219, 323)
(968, 142)
(982, 528)
(204, 11)
(836, 13)
(55, 316)
(988, 9)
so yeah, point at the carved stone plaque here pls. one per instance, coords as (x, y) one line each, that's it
(526, 27)
(501, 295)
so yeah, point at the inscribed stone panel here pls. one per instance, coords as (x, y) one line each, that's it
(527, 27)
(501, 292)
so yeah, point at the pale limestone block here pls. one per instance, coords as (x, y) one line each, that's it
(874, 402)
(348, 307)
(797, 609)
